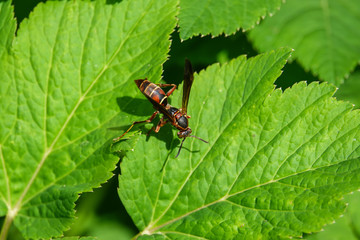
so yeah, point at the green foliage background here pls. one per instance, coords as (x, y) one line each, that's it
(101, 214)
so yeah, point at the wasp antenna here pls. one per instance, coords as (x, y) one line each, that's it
(199, 138)
(180, 147)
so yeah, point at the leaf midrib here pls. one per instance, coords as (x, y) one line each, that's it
(7, 136)
(6, 178)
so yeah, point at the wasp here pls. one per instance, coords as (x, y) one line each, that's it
(159, 99)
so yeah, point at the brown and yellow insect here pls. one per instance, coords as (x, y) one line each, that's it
(159, 99)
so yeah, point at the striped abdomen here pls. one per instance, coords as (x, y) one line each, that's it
(152, 91)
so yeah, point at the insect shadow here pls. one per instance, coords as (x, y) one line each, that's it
(144, 109)
(135, 106)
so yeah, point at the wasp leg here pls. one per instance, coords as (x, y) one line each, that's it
(162, 122)
(171, 90)
(168, 85)
(136, 122)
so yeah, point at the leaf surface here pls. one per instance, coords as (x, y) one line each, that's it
(70, 68)
(8, 99)
(226, 16)
(349, 90)
(346, 227)
(76, 238)
(7, 26)
(277, 163)
(324, 34)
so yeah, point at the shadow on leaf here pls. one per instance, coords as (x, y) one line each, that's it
(135, 106)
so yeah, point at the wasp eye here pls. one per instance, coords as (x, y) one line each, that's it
(183, 122)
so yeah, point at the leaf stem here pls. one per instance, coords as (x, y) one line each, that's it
(6, 226)
(133, 238)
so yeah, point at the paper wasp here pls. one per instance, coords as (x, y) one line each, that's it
(159, 99)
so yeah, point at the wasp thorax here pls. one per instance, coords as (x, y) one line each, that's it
(183, 122)
(173, 111)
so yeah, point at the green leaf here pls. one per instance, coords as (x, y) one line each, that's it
(76, 238)
(7, 26)
(353, 213)
(349, 90)
(8, 100)
(127, 143)
(347, 227)
(277, 163)
(227, 16)
(68, 72)
(324, 34)
(105, 229)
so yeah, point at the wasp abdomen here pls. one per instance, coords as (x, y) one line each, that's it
(152, 91)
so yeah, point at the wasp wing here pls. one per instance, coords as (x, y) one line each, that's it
(161, 109)
(188, 80)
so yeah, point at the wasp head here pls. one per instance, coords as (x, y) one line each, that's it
(185, 133)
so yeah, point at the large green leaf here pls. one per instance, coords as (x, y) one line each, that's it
(75, 62)
(225, 16)
(324, 34)
(277, 165)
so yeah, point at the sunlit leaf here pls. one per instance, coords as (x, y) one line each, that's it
(226, 16)
(64, 80)
(277, 163)
(346, 227)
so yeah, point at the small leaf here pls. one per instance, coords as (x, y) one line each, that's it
(66, 75)
(226, 16)
(76, 238)
(349, 90)
(324, 34)
(277, 165)
(7, 26)
(347, 227)
(125, 144)
(7, 97)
